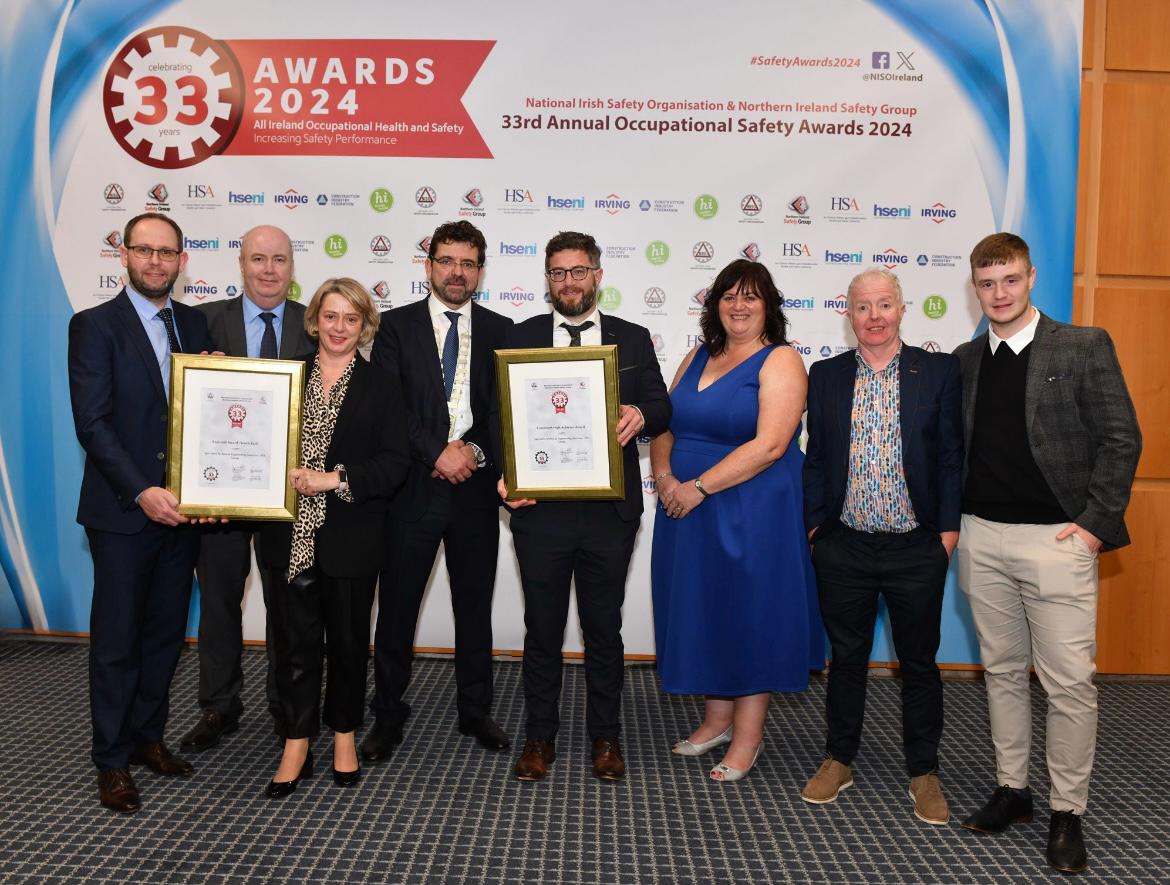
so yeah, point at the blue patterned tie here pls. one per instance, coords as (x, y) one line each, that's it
(450, 352)
(268, 340)
(169, 322)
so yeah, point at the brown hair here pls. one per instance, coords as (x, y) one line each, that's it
(1001, 248)
(572, 240)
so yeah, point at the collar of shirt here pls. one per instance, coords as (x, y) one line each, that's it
(589, 337)
(559, 318)
(146, 308)
(891, 366)
(438, 308)
(252, 310)
(1018, 341)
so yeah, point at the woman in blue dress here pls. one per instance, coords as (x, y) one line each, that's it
(735, 605)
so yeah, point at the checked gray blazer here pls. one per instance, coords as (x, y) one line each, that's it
(1080, 420)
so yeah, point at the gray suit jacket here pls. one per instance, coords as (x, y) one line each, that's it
(225, 322)
(1081, 422)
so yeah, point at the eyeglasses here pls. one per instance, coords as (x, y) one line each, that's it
(557, 274)
(145, 252)
(447, 262)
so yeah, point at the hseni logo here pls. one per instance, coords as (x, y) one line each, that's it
(290, 199)
(703, 252)
(335, 245)
(751, 251)
(566, 202)
(843, 257)
(751, 205)
(840, 304)
(294, 291)
(890, 258)
(193, 245)
(381, 199)
(654, 297)
(425, 197)
(799, 303)
(934, 306)
(113, 194)
(658, 252)
(938, 213)
(246, 199)
(518, 248)
(706, 206)
(609, 298)
(891, 211)
(380, 245)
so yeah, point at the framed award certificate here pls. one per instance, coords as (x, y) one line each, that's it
(235, 432)
(558, 417)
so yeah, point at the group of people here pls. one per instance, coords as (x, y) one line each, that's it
(1018, 452)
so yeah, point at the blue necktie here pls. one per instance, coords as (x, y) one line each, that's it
(268, 340)
(450, 352)
(169, 322)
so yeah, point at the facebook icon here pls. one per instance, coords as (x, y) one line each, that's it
(881, 61)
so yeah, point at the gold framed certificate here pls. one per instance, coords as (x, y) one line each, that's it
(235, 432)
(558, 420)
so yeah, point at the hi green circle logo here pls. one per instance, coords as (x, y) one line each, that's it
(336, 246)
(381, 200)
(609, 298)
(658, 252)
(294, 291)
(934, 306)
(706, 206)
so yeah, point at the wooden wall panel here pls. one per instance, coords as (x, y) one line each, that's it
(1134, 221)
(1088, 43)
(1137, 35)
(1133, 617)
(1138, 320)
(1083, 176)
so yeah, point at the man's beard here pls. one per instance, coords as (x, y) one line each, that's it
(440, 290)
(588, 299)
(142, 288)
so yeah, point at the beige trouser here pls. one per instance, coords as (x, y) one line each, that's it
(1034, 600)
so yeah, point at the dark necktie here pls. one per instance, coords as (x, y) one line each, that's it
(575, 332)
(169, 322)
(268, 339)
(450, 352)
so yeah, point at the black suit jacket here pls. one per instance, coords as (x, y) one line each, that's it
(370, 440)
(225, 323)
(640, 384)
(405, 347)
(932, 437)
(120, 408)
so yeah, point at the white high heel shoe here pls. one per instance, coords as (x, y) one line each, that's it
(726, 774)
(688, 748)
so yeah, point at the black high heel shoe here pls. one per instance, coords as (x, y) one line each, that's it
(347, 778)
(280, 789)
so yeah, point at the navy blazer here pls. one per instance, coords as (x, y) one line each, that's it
(405, 347)
(932, 437)
(120, 409)
(640, 384)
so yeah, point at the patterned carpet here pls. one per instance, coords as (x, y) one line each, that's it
(443, 810)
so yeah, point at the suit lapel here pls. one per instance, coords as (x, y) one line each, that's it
(133, 324)
(971, 388)
(1042, 346)
(909, 385)
(233, 323)
(844, 383)
(424, 347)
(291, 329)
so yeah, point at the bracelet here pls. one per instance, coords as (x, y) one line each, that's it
(660, 477)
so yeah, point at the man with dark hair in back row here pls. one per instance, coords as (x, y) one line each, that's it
(1052, 446)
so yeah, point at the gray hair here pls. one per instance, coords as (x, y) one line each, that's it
(888, 275)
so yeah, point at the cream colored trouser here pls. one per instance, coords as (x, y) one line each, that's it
(1034, 601)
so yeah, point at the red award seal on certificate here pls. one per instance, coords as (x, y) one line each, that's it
(560, 401)
(236, 414)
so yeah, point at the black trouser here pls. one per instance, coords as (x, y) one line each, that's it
(328, 618)
(225, 559)
(558, 543)
(137, 620)
(909, 570)
(470, 532)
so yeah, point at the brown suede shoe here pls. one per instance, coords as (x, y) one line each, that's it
(608, 763)
(826, 785)
(930, 805)
(116, 790)
(159, 759)
(534, 761)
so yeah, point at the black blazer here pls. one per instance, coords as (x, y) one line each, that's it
(120, 408)
(225, 323)
(405, 348)
(640, 384)
(932, 436)
(370, 440)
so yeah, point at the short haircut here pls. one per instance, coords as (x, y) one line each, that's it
(888, 275)
(458, 232)
(577, 242)
(358, 297)
(753, 277)
(1001, 248)
(158, 216)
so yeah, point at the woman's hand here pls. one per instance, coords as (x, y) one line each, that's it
(681, 499)
(313, 482)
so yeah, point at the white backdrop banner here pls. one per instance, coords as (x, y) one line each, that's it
(818, 139)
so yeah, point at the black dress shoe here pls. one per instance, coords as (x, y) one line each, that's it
(116, 790)
(160, 760)
(487, 732)
(1005, 807)
(380, 742)
(212, 725)
(1066, 846)
(280, 789)
(346, 778)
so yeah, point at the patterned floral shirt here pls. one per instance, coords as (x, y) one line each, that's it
(876, 496)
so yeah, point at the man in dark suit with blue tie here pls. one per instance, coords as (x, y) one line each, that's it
(143, 549)
(261, 323)
(589, 542)
(881, 506)
(441, 349)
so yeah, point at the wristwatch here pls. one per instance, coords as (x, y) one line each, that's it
(343, 487)
(480, 457)
(702, 491)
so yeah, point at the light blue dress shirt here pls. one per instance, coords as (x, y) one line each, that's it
(156, 331)
(254, 324)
